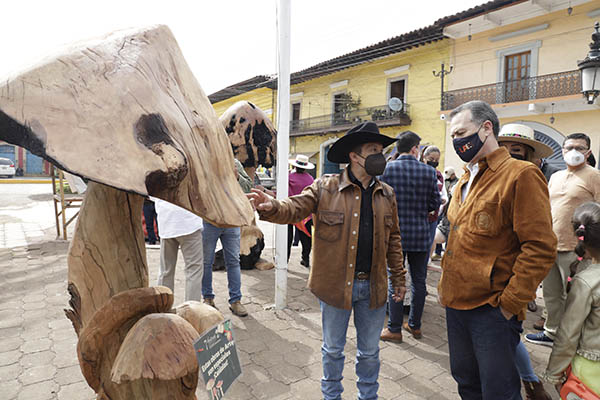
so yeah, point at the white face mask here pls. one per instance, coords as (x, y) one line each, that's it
(574, 158)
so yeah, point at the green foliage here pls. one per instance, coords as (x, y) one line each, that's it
(66, 188)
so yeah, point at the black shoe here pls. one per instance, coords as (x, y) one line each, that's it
(305, 263)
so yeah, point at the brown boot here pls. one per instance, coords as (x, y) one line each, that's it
(539, 324)
(536, 391)
(416, 333)
(211, 302)
(238, 309)
(389, 336)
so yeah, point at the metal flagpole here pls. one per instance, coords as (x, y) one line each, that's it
(283, 144)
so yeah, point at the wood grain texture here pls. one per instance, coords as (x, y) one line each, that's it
(108, 279)
(199, 315)
(125, 110)
(252, 135)
(158, 346)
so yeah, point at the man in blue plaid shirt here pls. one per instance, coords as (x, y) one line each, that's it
(417, 194)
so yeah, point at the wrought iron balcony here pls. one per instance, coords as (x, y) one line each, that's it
(382, 115)
(537, 87)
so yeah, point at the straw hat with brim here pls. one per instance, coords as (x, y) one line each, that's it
(519, 133)
(366, 132)
(448, 172)
(301, 161)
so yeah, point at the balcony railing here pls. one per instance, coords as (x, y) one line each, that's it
(382, 115)
(537, 87)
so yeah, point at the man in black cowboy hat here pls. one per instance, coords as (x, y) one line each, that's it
(356, 237)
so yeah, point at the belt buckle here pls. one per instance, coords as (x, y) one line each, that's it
(362, 276)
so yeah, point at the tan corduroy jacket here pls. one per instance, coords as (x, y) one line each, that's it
(335, 202)
(501, 244)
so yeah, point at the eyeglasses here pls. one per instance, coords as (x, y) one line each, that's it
(578, 148)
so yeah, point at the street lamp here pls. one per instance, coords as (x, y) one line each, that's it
(590, 68)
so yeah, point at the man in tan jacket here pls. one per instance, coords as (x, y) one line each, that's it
(499, 249)
(357, 237)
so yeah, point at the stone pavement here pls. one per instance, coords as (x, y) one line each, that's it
(279, 350)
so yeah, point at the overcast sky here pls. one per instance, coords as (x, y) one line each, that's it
(224, 41)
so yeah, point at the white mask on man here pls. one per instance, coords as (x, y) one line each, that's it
(574, 158)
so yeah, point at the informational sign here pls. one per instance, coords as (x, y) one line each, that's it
(218, 359)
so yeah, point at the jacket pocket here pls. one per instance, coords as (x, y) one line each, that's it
(330, 225)
(486, 218)
(467, 278)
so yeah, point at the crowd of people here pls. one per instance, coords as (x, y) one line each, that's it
(511, 222)
(508, 223)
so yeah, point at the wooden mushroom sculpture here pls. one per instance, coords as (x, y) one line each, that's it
(126, 112)
(252, 135)
(254, 143)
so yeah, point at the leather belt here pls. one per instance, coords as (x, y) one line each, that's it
(361, 276)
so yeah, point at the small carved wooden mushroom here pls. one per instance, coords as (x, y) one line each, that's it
(159, 352)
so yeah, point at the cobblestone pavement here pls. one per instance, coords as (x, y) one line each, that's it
(279, 350)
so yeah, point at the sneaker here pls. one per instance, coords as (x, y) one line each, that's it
(211, 302)
(436, 257)
(238, 309)
(389, 336)
(539, 324)
(539, 338)
(416, 333)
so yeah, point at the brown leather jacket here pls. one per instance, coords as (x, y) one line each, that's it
(501, 244)
(335, 202)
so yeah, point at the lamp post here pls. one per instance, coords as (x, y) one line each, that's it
(443, 72)
(590, 68)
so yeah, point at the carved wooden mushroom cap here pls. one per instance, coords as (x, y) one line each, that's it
(251, 133)
(201, 316)
(158, 346)
(121, 308)
(126, 111)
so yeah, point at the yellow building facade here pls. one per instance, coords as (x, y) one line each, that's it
(522, 59)
(317, 120)
(519, 56)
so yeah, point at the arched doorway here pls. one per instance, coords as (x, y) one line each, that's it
(550, 137)
(326, 166)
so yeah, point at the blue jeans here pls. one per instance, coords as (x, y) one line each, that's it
(418, 290)
(482, 346)
(150, 217)
(368, 324)
(230, 239)
(523, 364)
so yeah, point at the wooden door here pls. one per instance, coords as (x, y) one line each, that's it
(517, 69)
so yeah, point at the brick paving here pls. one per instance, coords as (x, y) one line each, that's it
(279, 350)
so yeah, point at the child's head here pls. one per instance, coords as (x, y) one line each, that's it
(586, 223)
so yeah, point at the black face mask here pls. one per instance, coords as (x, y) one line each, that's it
(518, 156)
(434, 164)
(468, 147)
(374, 164)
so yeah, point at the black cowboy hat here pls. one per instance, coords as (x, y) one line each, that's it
(365, 132)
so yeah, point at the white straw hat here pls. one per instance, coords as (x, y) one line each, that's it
(520, 133)
(301, 161)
